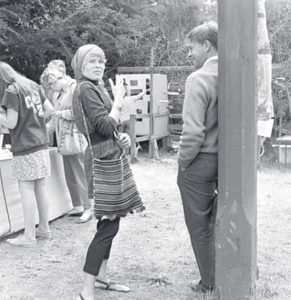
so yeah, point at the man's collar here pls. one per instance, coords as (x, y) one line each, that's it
(215, 57)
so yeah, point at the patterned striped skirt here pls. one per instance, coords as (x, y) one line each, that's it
(114, 188)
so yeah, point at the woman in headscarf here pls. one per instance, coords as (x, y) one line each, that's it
(92, 103)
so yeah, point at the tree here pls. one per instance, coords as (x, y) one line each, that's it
(279, 27)
(55, 30)
(9, 22)
(34, 32)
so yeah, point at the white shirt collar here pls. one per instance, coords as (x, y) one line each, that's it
(215, 57)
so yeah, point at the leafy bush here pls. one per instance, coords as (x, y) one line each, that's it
(37, 31)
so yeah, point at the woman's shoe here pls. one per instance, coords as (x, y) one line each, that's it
(86, 216)
(43, 235)
(80, 297)
(111, 286)
(77, 211)
(21, 242)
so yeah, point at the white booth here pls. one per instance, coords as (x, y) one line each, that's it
(138, 83)
(11, 216)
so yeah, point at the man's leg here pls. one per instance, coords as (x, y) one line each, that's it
(197, 186)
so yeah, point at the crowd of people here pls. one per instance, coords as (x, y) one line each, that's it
(96, 167)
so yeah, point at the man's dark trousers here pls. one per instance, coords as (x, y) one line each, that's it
(198, 184)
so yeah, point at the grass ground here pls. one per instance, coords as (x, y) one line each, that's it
(152, 252)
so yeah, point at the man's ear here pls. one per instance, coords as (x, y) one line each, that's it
(207, 46)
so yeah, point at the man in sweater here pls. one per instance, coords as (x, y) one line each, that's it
(198, 151)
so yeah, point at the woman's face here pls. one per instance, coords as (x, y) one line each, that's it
(58, 84)
(93, 66)
(61, 67)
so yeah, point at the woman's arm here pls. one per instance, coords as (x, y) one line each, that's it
(9, 118)
(118, 93)
(64, 114)
(96, 112)
(47, 108)
(115, 111)
(135, 97)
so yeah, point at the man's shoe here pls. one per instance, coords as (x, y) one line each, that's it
(201, 288)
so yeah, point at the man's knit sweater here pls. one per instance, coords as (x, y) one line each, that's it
(200, 114)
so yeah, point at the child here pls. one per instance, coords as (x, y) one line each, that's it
(24, 110)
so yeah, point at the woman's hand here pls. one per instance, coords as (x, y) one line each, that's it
(58, 114)
(50, 127)
(124, 139)
(118, 89)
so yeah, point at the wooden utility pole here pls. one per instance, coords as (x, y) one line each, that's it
(152, 140)
(236, 239)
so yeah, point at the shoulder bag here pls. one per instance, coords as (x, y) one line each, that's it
(71, 140)
(114, 190)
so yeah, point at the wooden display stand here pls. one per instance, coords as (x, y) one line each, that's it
(150, 116)
(284, 144)
(156, 118)
(138, 83)
(159, 133)
(11, 217)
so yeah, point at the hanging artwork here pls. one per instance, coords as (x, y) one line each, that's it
(265, 111)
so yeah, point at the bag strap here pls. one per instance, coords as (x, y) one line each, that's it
(84, 119)
(72, 128)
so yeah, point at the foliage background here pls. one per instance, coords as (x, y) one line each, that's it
(33, 32)
(279, 27)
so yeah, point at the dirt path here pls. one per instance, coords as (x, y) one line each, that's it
(152, 252)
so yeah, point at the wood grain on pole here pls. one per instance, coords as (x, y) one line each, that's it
(236, 239)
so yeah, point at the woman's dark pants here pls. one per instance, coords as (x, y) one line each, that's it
(100, 246)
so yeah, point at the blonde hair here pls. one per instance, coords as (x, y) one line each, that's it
(8, 76)
(49, 77)
(55, 63)
(78, 59)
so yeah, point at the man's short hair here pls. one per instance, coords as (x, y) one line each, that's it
(205, 32)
